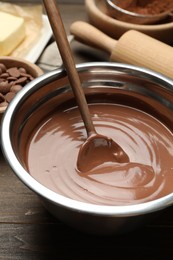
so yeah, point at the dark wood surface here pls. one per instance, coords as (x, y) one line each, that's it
(28, 231)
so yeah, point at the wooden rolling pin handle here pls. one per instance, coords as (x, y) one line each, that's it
(91, 36)
(133, 47)
(139, 49)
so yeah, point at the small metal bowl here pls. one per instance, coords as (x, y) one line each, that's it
(51, 89)
(130, 17)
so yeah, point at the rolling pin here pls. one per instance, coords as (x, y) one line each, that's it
(133, 47)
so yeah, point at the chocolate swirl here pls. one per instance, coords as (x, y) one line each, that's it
(54, 147)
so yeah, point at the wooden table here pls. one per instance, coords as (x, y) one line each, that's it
(28, 231)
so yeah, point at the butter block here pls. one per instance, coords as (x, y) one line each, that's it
(12, 32)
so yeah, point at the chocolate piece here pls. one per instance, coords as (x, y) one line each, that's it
(15, 88)
(9, 96)
(4, 75)
(14, 72)
(11, 81)
(21, 80)
(22, 70)
(28, 76)
(3, 104)
(3, 67)
(4, 87)
(10, 78)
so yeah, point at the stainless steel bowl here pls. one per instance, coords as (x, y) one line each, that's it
(52, 88)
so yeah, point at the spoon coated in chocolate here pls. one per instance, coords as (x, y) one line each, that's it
(97, 149)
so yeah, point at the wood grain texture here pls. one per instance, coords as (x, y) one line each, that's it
(48, 240)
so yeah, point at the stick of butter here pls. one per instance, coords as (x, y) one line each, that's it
(12, 32)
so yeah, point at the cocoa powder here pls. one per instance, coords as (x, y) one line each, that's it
(147, 7)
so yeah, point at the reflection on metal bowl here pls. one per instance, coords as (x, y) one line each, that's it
(147, 89)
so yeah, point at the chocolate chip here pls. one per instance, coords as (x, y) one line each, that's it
(11, 81)
(14, 72)
(12, 78)
(4, 75)
(4, 87)
(22, 70)
(9, 96)
(21, 80)
(27, 75)
(3, 104)
(3, 67)
(15, 88)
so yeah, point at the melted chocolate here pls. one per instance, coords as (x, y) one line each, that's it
(54, 146)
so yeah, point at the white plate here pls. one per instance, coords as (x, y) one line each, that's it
(37, 49)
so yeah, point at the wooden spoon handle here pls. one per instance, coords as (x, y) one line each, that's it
(67, 57)
(90, 35)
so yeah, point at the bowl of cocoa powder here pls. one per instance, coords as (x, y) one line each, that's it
(15, 73)
(140, 11)
(42, 132)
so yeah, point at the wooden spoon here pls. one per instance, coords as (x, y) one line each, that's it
(97, 149)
